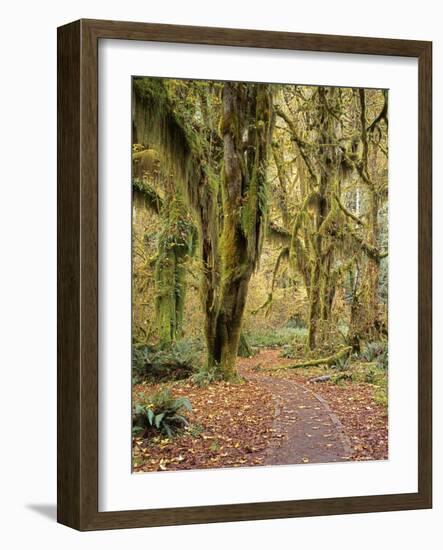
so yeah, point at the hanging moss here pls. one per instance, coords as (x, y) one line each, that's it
(266, 306)
(150, 197)
(278, 235)
(312, 241)
(156, 122)
(176, 243)
(145, 163)
(255, 209)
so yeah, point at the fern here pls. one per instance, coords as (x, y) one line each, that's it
(175, 362)
(161, 412)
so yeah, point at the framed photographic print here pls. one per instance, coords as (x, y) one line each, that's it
(244, 275)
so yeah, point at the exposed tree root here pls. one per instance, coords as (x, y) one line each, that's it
(324, 378)
(334, 378)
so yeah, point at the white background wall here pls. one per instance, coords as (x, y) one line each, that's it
(28, 271)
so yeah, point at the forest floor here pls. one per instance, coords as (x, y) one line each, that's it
(273, 417)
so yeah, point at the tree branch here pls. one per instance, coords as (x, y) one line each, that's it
(348, 212)
(302, 145)
(383, 115)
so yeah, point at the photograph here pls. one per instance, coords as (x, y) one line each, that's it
(221, 269)
(259, 274)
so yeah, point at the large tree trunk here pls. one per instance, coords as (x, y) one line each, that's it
(235, 268)
(228, 259)
(246, 115)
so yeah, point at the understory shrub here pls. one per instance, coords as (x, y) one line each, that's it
(204, 376)
(342, 363)
(174, 362)
(296, 322)
(342, 378)
(381, 396)
(279, 337)
(160, 412)
(376, 352)
(373, 374)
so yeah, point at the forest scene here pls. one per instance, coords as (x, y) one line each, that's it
(259, 274)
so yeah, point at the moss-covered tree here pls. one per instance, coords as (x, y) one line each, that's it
(175, 244)
(220, 148)
(223, 174)
(246, 129)
(312, 243)
(335, 147)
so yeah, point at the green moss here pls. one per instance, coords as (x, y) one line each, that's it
(176, 243)
(150, 197)
(145, 162)
(156, 123)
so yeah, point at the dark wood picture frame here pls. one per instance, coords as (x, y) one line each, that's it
(77, 173)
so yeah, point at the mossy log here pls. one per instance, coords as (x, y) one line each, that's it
(343, 352)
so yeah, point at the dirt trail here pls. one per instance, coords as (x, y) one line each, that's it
(306, 429)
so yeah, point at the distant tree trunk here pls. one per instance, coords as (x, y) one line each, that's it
(372, 267)
(314, 307)
(323, 212)
(364, 312)
(371, 277)
(244, 349)
(365, 322)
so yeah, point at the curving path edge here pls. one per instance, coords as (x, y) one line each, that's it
(305, 428)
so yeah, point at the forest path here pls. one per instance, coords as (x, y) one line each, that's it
(306, 429)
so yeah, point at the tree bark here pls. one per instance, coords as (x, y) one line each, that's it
(245, 128)
(365, 323)
(319, 291)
